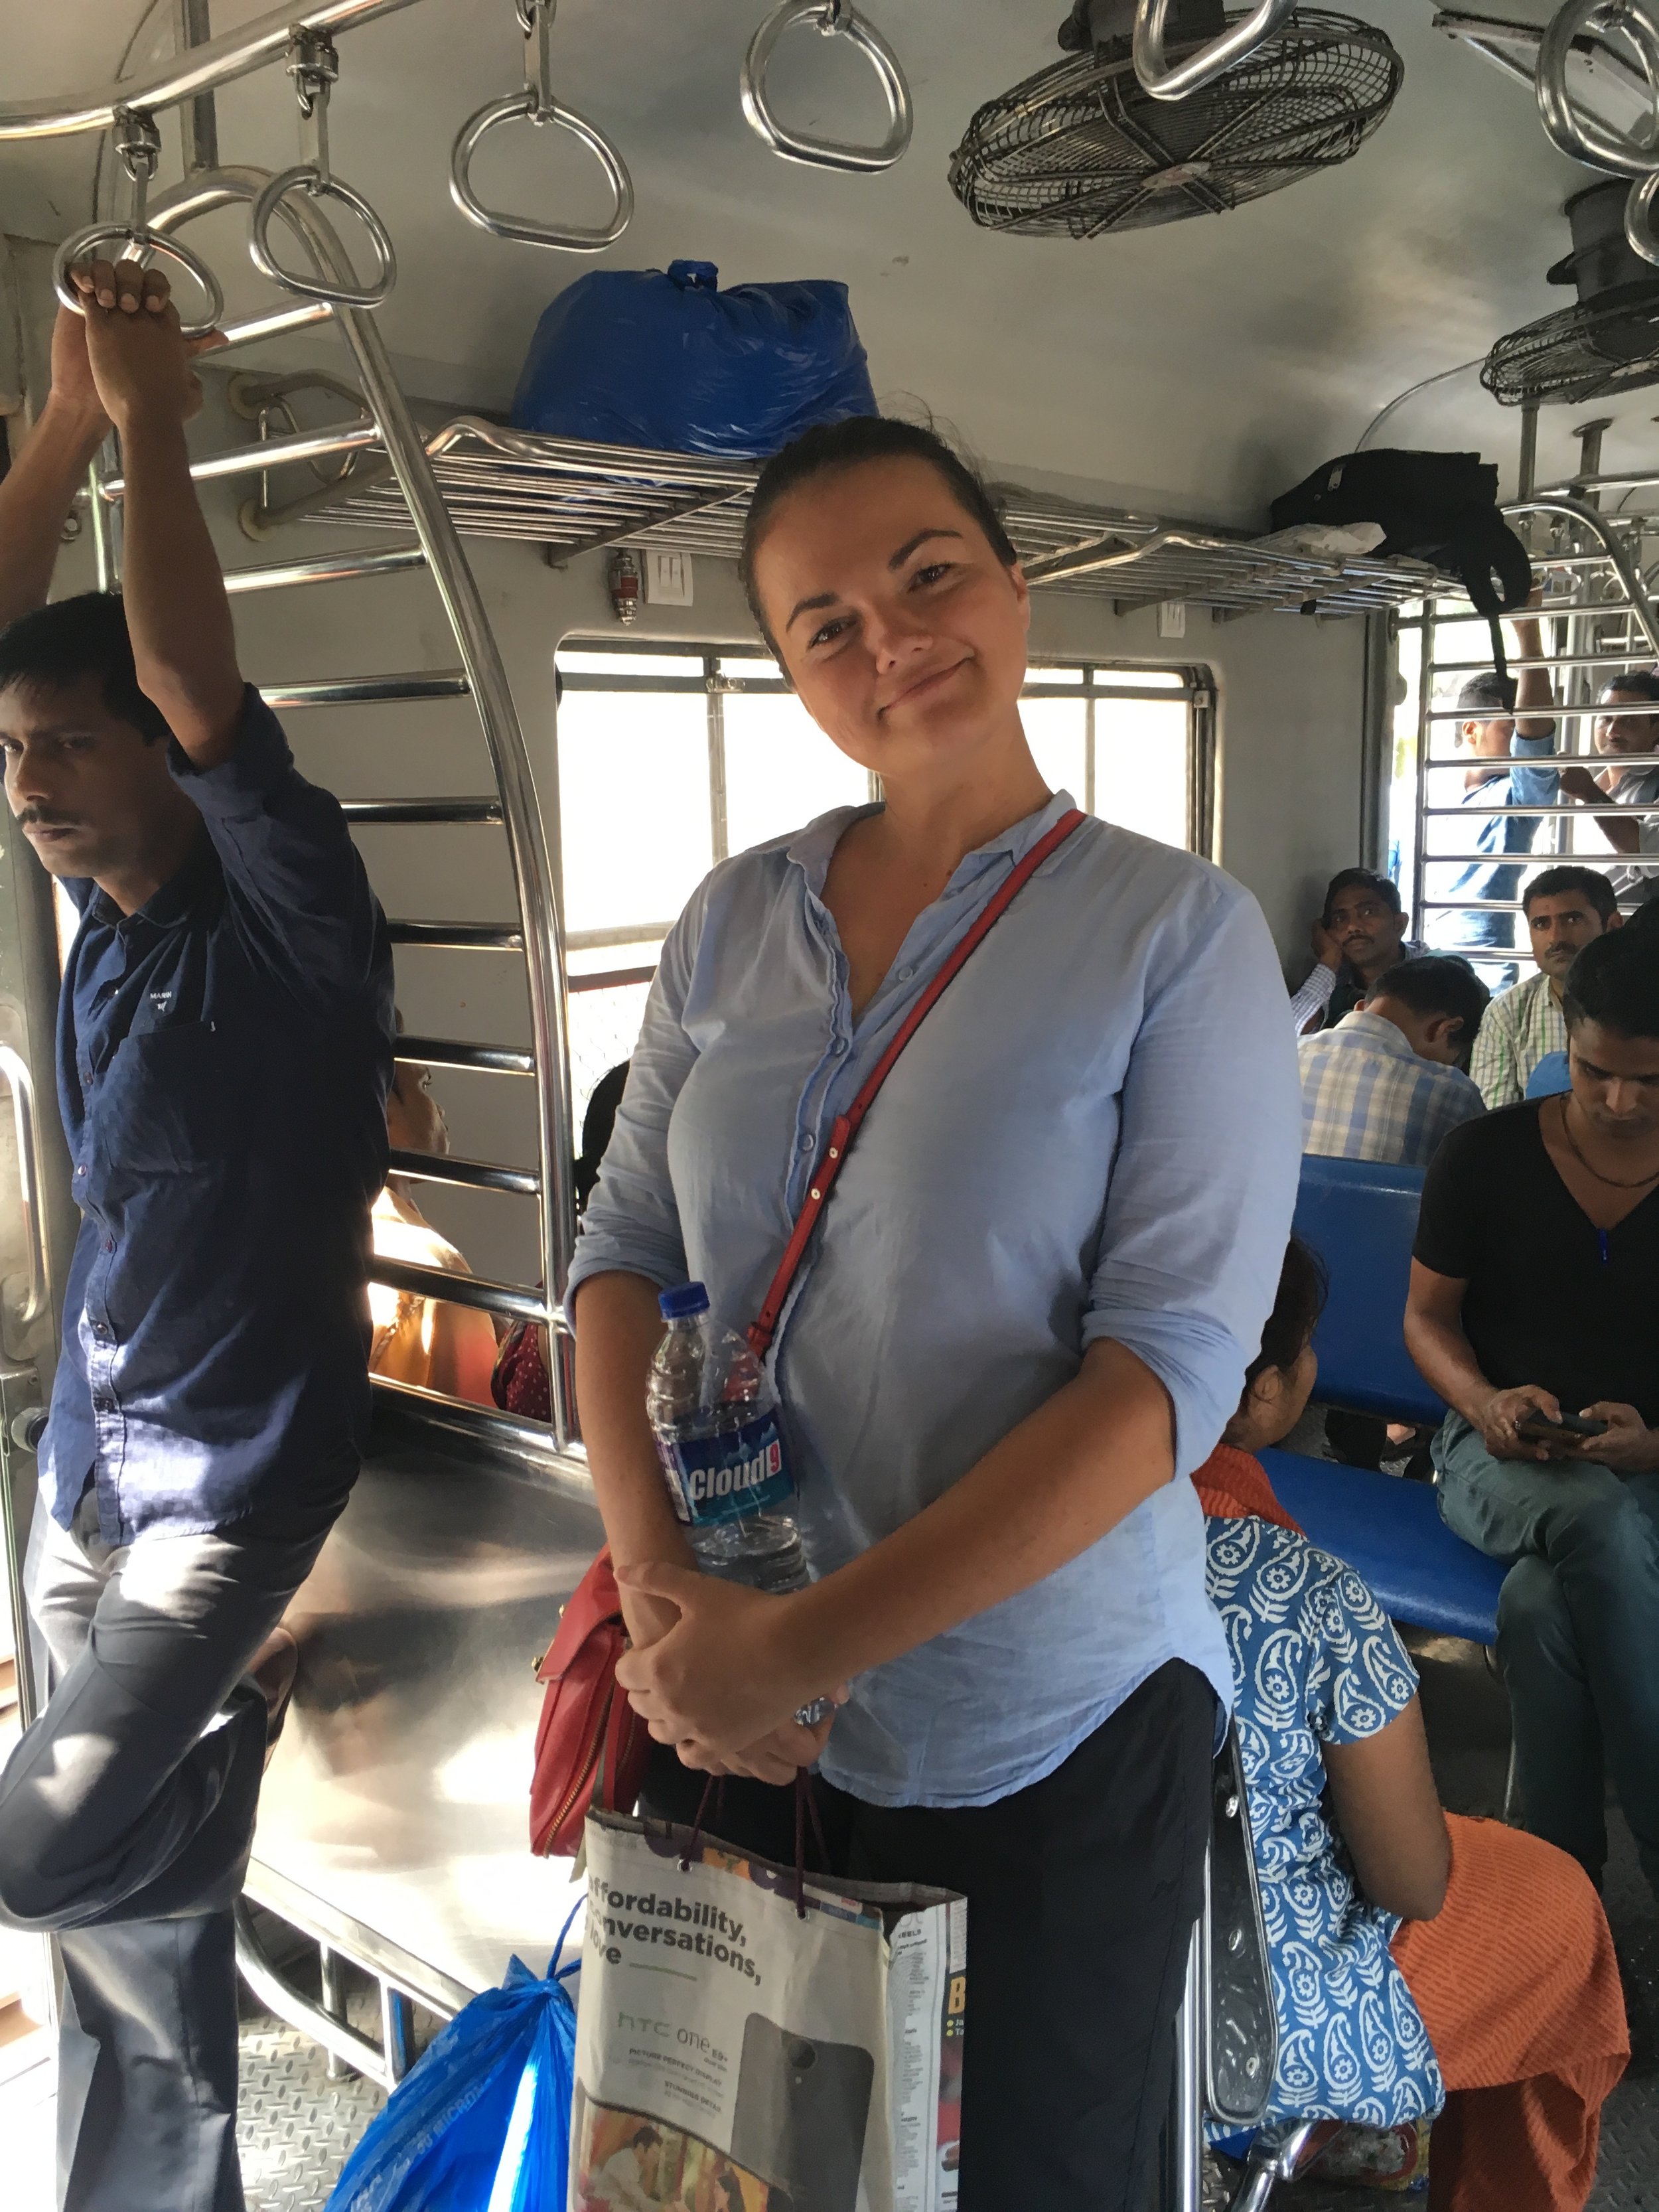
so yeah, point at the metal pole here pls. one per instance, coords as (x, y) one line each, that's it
(1527, 474)
(718, 834)
(198, 118)
(234, 54)
(105, 523)
(1588, 435)
(1575, 510)
(1424, 691)
(1186, 2116)
(530, 820)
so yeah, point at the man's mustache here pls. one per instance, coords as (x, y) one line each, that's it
(42, 818)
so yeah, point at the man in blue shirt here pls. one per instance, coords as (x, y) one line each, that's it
(224, 1047)
(1504, 723)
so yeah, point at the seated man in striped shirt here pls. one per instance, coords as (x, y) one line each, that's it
(1564, 908)
(1388, 1083)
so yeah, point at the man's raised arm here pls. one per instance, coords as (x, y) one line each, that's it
(40, 486)
(177, 616)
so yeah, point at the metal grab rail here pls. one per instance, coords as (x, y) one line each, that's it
(526, 834)
(314, 65)
(1639, 217)
(15, 1070)
(1583, 137)
(138, 142)
(385, 2062)
(833, 19)
(1167, 80)
(1575, 510)
(188, 74)
(537, 105)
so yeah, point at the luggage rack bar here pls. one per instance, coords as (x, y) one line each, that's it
(572, 496)
(529, 1442)
(449, 1052)
(458, 936)
(324, 569)
(186, 74)
(461, 1290)
(253, 460)
(367, 690)
(421, 810)
(298, 317)
(470, 1174)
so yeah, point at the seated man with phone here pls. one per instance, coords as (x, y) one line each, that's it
(1533, 1310)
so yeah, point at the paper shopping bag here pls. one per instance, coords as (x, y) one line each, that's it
(734, 2055)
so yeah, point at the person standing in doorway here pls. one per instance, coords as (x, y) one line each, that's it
(224, 1051)
(1506, 726)
(1023, 1319)
(1627, 727)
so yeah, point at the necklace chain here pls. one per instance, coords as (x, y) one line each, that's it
(1612, 1182)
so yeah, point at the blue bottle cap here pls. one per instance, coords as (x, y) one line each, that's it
(687, 1298)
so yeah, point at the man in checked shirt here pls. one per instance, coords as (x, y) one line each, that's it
(224, 1046)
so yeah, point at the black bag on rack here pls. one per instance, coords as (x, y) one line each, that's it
(1441, 508)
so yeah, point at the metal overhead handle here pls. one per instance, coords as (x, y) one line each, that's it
(537, 105)
(1174, 80)
(138, 142)
(314, 65)
(1639, 217)
(1580, 135)
(832, 18)
(15, 1070)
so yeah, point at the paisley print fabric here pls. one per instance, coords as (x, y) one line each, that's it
(1316, 1660)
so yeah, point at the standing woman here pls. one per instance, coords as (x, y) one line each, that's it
(1023, 1320)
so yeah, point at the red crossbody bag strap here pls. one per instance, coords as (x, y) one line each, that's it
(764, 1326)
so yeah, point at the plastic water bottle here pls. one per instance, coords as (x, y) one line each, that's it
(715, 1418)
(715, 1421)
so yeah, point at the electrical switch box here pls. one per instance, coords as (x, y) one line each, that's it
(667, 576)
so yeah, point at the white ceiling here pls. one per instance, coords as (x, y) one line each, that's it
(1199, 367)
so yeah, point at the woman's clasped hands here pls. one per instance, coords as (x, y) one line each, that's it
(723, 1684)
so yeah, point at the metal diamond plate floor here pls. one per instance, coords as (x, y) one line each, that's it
(296, 2128)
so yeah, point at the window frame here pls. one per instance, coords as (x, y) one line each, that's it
(1102, 678)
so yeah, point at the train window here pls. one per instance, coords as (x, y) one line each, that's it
(1456, 896)
(715, 753)
(779, 768)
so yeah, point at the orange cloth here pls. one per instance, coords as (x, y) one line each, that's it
(1233, 1485)
(1518, 1988)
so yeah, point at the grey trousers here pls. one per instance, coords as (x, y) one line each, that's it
(1577, 1634)
(126, 1813)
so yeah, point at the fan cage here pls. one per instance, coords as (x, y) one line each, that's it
(1580, 353)
(1081, 149)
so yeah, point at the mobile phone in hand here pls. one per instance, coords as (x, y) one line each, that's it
(1537, 1429)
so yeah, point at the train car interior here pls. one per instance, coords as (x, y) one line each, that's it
(1151, 265)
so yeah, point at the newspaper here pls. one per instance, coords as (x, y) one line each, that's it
(734, 2056)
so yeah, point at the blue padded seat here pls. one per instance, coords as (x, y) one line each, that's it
(1390, 1532)
(1361, 1217)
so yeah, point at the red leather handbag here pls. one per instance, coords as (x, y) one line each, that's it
(591, 1746)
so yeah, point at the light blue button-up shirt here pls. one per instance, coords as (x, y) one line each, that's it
(1095, 1133)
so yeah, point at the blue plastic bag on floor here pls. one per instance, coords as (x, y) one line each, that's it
(482, 2122)
(635, 357)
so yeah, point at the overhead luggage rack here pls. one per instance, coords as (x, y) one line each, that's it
(1237, 575)
(574, 497)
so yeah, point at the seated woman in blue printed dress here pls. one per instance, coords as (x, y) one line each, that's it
(1417, 1958)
